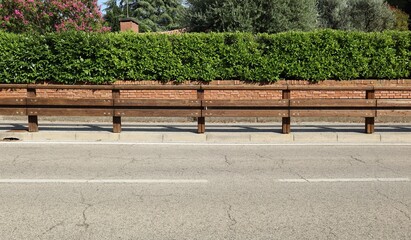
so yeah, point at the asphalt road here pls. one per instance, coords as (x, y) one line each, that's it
(160, 191)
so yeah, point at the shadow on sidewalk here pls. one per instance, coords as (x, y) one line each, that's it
(210, 128)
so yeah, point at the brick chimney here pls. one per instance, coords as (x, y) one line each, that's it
(127, 24)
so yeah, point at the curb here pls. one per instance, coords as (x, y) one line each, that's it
(212, 138)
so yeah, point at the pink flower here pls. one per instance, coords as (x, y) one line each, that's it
(17, 12)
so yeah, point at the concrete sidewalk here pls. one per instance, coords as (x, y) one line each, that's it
(239, 133)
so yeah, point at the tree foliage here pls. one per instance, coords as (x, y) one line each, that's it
(272, 16)
(269, 16)
(152, 15)
(41, 16)
(362, 15)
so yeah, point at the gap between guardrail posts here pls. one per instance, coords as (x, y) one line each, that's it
(286, 123)
(201, 120)
(32, 119)
(370, 121)
(116, 120)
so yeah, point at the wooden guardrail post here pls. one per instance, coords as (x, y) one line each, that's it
(200, 120)
(286, 121)
(116, 119)
(370, 121)
(32, 119)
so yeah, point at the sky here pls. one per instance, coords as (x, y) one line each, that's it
(100, 2)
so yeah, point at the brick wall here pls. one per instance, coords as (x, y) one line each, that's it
(218, 94)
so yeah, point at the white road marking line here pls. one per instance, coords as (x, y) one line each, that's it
(206, 144)
(333, 180)
(102, 181)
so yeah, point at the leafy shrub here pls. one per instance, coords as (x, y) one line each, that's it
(100, 58)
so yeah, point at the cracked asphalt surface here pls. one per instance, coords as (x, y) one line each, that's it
(242, 199)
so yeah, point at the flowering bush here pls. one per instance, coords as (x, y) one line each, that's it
(43, 16)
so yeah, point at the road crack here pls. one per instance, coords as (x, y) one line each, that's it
(405, 213)
(123, 168)
(382, 165)
(357, 159)
(299, 175)
(233, 221)
(52, 228)
(84, 223)
(227, 161)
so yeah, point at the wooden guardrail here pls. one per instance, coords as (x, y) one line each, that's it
(117, 107)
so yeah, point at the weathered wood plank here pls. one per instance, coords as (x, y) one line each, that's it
(286, 121)
(394, 103)
(73, 102)
(201, 121)
(333, 103)
(156, 87)
(393, 113)
(13, 86)
(392, 88)
(156, 103)
(328, 88)
(32, 118)
(13, 111)
(12, 101)
(59, 86)
(243, 87)
(116, 94)
(80, 112)
(333, 113)
(245, 113)
(246, 103)
(157, 113)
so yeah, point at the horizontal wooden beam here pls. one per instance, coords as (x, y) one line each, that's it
(311, 103)
(156, 87)
(13, 101)
(244, 87)
(157, 113)
(394, 103)
(72, 102)
(13, 86)
(13, 111)
(393, 113)
(156, 103)
(61, 86)
(329, 88)
(332, 113)
(246, 103)
(80, 112)
(246, 113)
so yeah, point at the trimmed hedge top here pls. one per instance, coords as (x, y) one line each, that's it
(95, 58)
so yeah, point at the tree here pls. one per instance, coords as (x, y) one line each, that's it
(251, 15)
(286, 15)
(41, 16)
(222, 16)
(113, 13)
(362, 15)
(151, 15)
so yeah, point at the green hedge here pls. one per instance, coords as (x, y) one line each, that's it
(77, 57)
